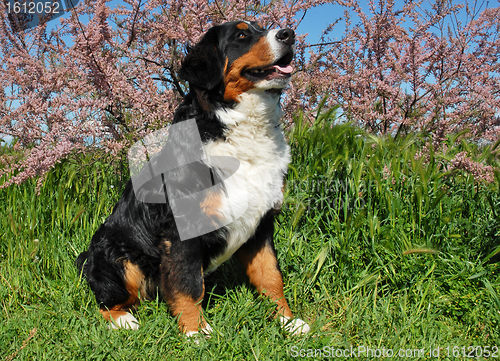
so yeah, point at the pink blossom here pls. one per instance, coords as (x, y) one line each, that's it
(108, 75)
(477, 170)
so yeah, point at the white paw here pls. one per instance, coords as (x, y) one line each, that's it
(191, 333)
(294, 326)
(205, 331)
(127, 322)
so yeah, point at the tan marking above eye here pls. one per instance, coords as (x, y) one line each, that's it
(242, 26)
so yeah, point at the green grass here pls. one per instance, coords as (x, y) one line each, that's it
(379, 249)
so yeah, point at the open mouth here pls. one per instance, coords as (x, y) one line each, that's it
(279, 70)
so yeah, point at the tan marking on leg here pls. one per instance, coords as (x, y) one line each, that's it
(188, 310)
(120, 319)
(262, 270)
(112, 314)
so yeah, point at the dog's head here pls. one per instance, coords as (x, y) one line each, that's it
(236, 57)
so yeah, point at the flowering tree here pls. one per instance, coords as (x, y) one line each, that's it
(406, 68)
(106, 77)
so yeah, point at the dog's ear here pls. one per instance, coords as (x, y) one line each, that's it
(202, 66)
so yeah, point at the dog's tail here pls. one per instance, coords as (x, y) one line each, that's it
(81, 260)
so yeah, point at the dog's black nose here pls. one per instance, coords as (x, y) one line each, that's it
(286, 36)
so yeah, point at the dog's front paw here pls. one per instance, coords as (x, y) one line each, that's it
(294, 326)
(127, 322)
(195, 335)
(206, 331)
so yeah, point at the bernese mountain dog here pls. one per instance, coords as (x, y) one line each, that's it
(236, 74)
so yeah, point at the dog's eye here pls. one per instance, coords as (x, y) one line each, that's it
(241, 35)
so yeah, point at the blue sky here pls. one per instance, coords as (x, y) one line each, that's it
(320, 17)
(317, 19)
(314, 22)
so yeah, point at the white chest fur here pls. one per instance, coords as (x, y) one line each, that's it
(256, 139)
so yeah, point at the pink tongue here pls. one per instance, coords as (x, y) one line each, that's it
(287, 69)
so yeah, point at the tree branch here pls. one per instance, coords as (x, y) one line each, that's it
(132, 30)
